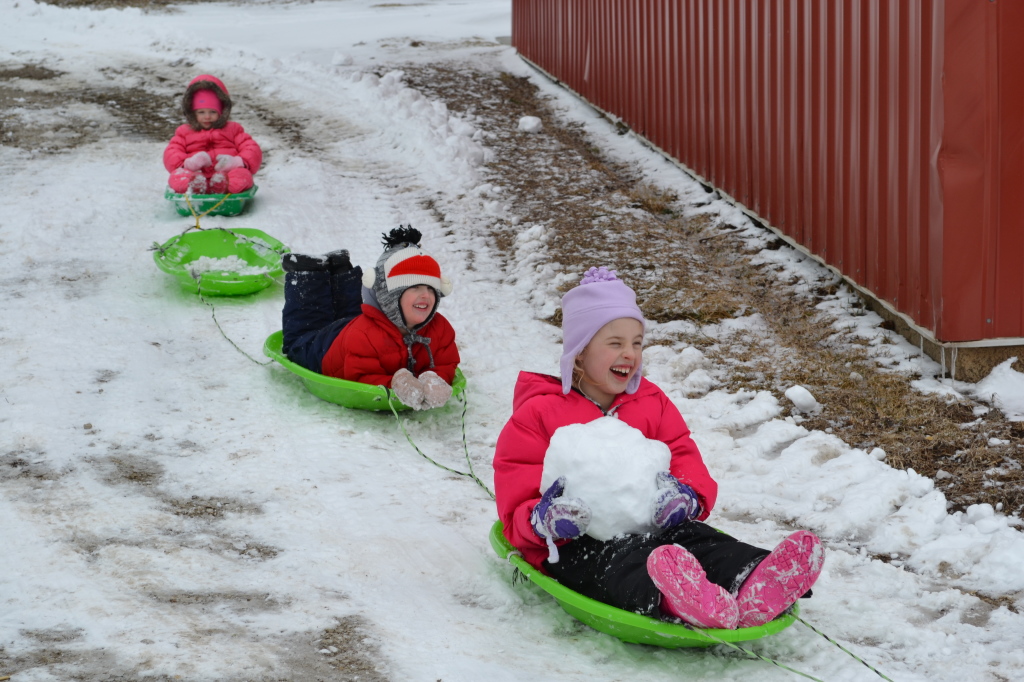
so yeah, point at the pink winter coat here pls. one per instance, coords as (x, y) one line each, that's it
(231, 140)
(539, 408)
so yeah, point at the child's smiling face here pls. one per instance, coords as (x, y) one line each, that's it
(416, 303)
(611, 359)
(206, 117)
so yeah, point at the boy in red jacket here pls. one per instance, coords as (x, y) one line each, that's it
(380, 328)
(685, 569)
(210, 154)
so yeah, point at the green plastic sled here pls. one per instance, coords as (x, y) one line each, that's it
(234, 204)
(339, 391)
(627, 626)
(255, 248)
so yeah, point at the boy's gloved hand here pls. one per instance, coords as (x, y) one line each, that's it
(226, 162)
(674, 502)
(436, 390)
(197, 161)
(408, 389)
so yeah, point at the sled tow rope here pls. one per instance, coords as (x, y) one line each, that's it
(465, 445)
(850, 653)
(159, 248)
(391, 397)
(213, 314)
(754, 654)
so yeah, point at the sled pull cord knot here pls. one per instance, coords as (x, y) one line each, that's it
(197, 216)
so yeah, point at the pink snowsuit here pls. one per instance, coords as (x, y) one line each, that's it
(223, 138)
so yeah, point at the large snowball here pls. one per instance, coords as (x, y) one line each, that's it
(613, 468)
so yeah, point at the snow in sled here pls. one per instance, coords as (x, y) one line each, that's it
(339, 391)
(233, 205)
(625, 625)
(220, 262)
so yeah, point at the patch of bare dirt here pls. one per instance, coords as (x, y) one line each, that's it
(350, 650)
(199, 506)
(156, 5)
(42, 111)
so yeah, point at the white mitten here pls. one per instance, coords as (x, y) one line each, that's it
(436, 390)
(197, 161)
(408, 389)
(226, 162)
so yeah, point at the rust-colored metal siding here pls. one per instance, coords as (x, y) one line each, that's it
(884, 136)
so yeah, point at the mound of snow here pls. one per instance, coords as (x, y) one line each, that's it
(803, 400)
(530, 124)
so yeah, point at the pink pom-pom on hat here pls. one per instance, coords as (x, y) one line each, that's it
(600, 298)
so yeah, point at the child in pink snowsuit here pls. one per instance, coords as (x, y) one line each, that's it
(684, 569)
(210, 154)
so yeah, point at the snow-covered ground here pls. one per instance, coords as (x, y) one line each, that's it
(171, 510)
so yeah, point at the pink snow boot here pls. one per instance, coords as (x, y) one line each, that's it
(218, 184)
(780, 579)
(686, 591)
(197, 185)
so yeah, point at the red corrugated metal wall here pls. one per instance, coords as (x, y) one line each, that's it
(885, 136)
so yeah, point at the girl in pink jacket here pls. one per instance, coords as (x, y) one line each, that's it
(686, 569)
(210, 154)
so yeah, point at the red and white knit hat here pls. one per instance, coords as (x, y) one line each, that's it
(409, 267)
(402, 265)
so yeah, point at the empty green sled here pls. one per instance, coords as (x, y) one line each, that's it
(233, 205)
(257, 249)
(352, 394)
(625, 625)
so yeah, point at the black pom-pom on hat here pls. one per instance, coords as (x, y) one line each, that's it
(403, 234)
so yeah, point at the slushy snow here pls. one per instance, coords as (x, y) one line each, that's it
(228, 264)
(613, 468)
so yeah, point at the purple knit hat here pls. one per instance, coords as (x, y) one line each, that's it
(600, 298)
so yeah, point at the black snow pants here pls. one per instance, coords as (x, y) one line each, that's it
(317, 306)
(615, 571)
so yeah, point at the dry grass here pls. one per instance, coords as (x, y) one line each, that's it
(600, 212)
(652, 198)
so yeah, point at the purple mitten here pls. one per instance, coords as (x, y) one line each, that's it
(557, 517)
(408, 389)
(436, 390)
(674, 502)
(197, 161)
(226, 162)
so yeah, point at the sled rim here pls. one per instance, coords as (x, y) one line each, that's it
(174, 255)
(351, 394)
(625, 625)
(234, 205)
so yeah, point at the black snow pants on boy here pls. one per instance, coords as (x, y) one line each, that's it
(615, 571)
(317, 306)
